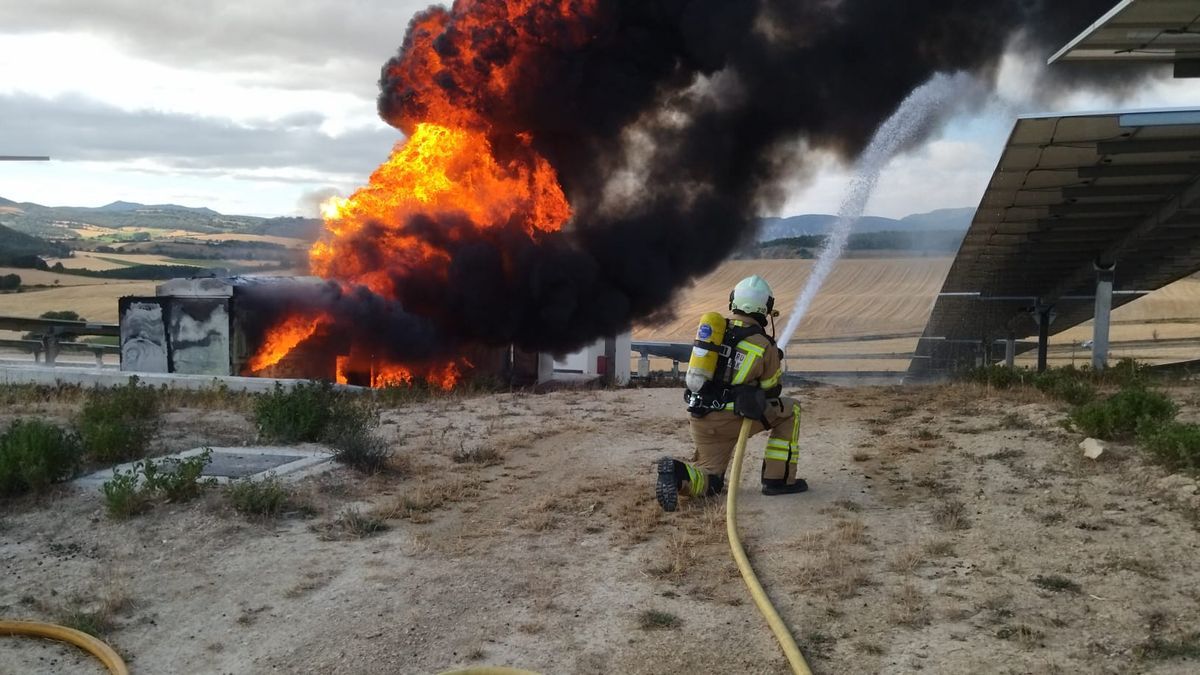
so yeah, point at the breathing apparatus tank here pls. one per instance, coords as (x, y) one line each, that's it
(703, 364)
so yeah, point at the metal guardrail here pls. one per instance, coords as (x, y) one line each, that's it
(52, 332)
(37, 348)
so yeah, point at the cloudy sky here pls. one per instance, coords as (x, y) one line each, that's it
(255, 107)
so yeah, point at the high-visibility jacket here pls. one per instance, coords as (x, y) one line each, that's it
(755, 360)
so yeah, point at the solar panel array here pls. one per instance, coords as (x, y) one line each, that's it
(1140, 31)
(1068, 192)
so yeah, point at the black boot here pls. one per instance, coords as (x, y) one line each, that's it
(670, 477)
(779, 486)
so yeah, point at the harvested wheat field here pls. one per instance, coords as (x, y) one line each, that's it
(289, 242)
(948, 530)
(96, 301)
(860, 298)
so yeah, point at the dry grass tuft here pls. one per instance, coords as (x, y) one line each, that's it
(635, 513)
(653, 619)
(849, 505)
(484, 455)
(675, 557)
(939, 548)
(352, 524)
(850, 532)
(96, 616)
(1022, 634)
(951, 514)
(539, 521)
(311, 581)
(910, 607)
(427, 497)
(908, 560)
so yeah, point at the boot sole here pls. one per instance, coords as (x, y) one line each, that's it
(774, 492)
(665, 490)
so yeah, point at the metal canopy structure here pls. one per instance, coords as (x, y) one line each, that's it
(1070, 194)
(1150, 31)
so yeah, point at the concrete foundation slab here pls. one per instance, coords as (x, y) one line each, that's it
(107, 377)
(228, 464)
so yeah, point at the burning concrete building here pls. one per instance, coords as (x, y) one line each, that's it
(214, 326)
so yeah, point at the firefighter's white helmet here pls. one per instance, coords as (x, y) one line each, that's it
(752, 295)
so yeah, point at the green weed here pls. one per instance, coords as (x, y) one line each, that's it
(131, 492)
(265, 498)
(1119, 416)
(1175, 444)
(35, 454)
(117, 424)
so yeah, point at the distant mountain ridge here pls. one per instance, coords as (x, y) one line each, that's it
(820, 223)
(127, 207)
(57, 222)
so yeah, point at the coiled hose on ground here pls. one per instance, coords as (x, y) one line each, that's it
(782, 634)
(103, 653)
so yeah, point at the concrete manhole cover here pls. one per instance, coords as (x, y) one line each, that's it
(235, 463)
(240, 465)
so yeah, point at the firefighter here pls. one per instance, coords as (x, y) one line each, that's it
(745, 383)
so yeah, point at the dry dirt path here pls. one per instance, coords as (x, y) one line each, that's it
(947, 531)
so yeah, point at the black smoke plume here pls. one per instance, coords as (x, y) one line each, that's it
(691, 99)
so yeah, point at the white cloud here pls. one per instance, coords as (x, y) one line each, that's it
(39, 64)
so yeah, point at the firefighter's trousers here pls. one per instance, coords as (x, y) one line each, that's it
(716, 434)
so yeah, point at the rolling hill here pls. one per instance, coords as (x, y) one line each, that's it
(822, 223)
(69, 222)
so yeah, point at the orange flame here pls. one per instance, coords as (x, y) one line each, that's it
(438, 170)
(283, 338)
(340, 377)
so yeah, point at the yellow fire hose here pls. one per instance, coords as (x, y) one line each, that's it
(794, 657)
(87, 643)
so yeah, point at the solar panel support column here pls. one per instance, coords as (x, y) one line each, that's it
(1101, 323)
(1043, 315)
(1010, 351)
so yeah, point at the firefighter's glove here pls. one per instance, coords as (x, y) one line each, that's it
(750, 402)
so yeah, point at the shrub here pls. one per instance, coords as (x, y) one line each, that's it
(266, 498)
(1175, 444)
(1126, 372)
(134, 491)
(1066, 384)
(122, 498)
(300, 414)
(1070, 384)
(34, 454)
(315, 412)
(117, 424)
(1119, 416)
(999, 377)
(360, 448)
(179, 480)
